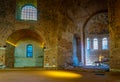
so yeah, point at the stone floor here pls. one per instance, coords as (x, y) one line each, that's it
(57, 76)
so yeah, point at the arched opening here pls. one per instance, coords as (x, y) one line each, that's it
(24, 49)
(104, 43)
(95, 29)
(76, 50)
(29, 12)
(29, 50)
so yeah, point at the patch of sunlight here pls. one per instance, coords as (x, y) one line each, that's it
(10, 43)
(62, 74)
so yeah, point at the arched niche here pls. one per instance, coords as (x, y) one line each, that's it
(76, 50)
(95, 27)
(16, 49)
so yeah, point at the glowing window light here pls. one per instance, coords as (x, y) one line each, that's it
(88, 43)
(104, 43)
(29, 13)
(95, 43)
(29, 50)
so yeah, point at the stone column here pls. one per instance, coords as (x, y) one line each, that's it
(9, 56)
(114, 27)
(2, 56)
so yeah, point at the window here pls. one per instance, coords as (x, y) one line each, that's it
(88, 43)
(29, 50)
(104, 43)
(95, 43)
(29, 13)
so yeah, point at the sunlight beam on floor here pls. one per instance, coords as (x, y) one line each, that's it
(62, 74)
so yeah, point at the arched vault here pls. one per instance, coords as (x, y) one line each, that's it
(24, 34)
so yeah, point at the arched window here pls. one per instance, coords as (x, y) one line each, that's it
(29, 50)
(104, 43)
(88, 43)
(95, 43)
(29, 13)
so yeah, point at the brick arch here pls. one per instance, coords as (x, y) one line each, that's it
(83, 31)
(24, 34)
(14, 38)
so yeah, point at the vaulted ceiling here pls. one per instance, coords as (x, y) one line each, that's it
(24, 34)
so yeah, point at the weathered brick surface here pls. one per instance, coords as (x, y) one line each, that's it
(114, 14)
(58, 22)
